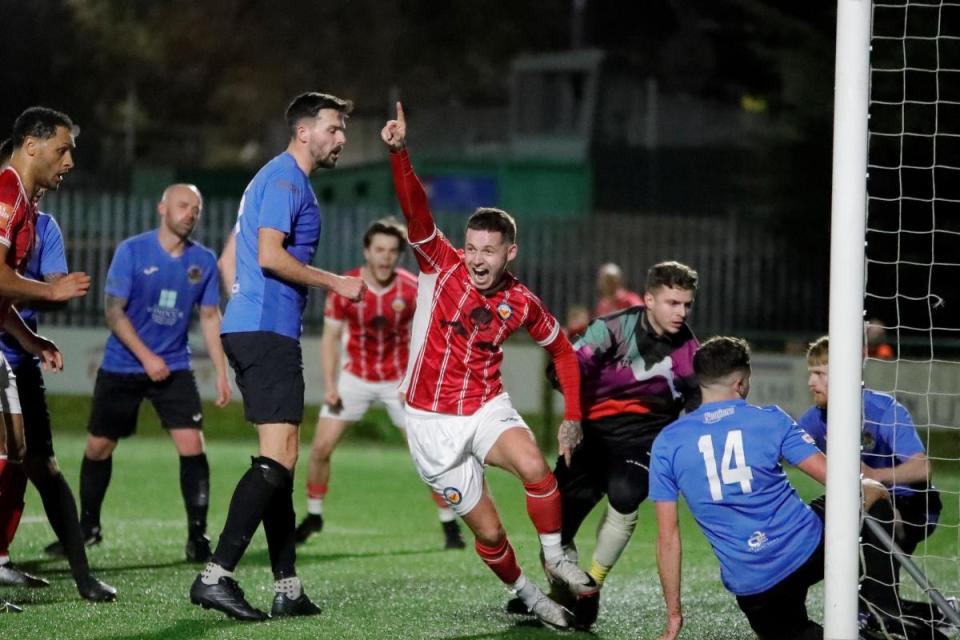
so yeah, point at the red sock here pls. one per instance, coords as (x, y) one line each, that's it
(316, 491)
(543, 504)
(501, 559)
(13, 486)
(439, 500)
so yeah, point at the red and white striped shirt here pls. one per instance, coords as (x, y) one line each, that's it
(18, 223)
(455, 353)
(378, 327)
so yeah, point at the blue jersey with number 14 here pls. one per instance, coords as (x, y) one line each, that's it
(725, 460)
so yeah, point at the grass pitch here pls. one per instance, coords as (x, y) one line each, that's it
(378, 569)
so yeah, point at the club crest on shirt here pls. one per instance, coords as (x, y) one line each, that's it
(504, 311)
(398, 305)
(194, 274)
(869, 442)
(452, 495)
(757, 540)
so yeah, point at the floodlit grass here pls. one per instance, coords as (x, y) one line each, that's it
(378, 568)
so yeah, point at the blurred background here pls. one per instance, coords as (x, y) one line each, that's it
(615, 132)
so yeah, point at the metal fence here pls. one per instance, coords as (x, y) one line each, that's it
(754, 281)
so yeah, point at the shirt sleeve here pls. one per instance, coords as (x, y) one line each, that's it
(211, 284)
(902, 433)
(53, 258)
(120, 274)
(797, 445)
(592, 347)
(663, 486)
(333, 308)
(281, 201)
(9, 196)
(540, 323)
(811, 423)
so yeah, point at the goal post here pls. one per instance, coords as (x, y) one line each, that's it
(848, 230)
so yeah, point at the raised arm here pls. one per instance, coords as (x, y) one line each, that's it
(669, 554)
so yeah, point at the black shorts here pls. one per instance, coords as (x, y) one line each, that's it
(613, 460)
(117, 398)
(33, 405)
(780, 612)
(269, 373)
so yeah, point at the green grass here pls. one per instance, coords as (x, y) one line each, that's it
(377, 569)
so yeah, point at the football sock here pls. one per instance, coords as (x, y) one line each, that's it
(4, 558)
(315, 494)
(290, 587)
(543, 504)
(61, 509)
(446, 515)
(612, 538)
(212, 573)
(501, 559)
(280, 526)
(94, 480)
(13, 486)
(195, 488)
(250, 499)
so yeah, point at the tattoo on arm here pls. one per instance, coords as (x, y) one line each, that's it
(113, 309)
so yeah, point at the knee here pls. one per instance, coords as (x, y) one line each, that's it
(321, 451)
(99, 449)
(274, 472)
(626, 497)
(39, 469)
(532, 468)
(491, 535)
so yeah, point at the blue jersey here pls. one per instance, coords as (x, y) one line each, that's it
(725, 460)
(161, 291)
(279, 197)
(48, 258)
(889, 436)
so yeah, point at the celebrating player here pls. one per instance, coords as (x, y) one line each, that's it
(277, 232)
(154, 282)
(42, 155)
(725, 460)
(48, 264)
(893, 455)
(377, 348)
(459, 417)
(636, 373)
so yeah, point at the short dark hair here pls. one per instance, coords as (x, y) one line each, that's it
(671, 274)
(308, 105)
(38, 122)
(388, 227)
(490, 219)
(6, 150)
(720, 356)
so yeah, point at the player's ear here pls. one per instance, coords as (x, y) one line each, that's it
(512, 252)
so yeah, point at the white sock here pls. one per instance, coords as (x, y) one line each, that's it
(552, 549)
(290, 587)
(315, 506)
(4, 559)
(446, 514)
(213, 572)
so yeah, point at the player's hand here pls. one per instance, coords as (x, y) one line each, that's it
(674, 624)
(50, 357)
(224, 392)
(569, 436)
(394, 133)
(332, 399)
(73, 285)
(155, 368)
(350, 288)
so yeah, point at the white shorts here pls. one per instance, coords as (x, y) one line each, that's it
(448, 451)
(9, 397)
(357, 394)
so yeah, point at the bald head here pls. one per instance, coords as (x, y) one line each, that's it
(179, 209)
(609, 279)
(181, 190)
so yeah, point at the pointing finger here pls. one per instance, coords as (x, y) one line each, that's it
(400, 119)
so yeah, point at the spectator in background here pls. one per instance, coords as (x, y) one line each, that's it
(877, 345)
(576, 321)
(613, 294)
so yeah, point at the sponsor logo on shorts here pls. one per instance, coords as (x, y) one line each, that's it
(197, 417)
(398, 305)
(194, 274)
(452, 495)
(504, 311)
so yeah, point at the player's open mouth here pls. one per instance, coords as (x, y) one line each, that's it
(481, 273)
